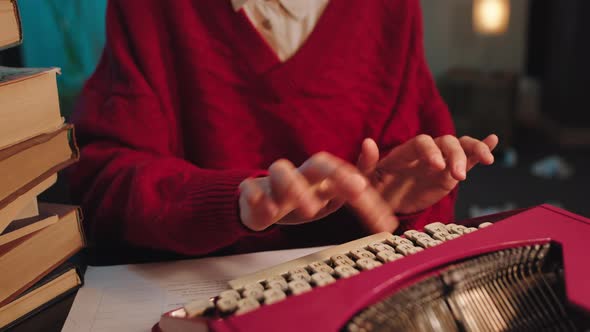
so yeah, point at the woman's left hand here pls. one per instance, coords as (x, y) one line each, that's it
(423, 170)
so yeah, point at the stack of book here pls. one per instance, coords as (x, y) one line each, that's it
(36, 239)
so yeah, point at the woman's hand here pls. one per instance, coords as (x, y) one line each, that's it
(290, 195)
(420, 172)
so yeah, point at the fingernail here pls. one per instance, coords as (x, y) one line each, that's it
(437, 160)
(460, 168)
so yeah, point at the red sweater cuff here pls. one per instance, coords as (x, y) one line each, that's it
(212, 201)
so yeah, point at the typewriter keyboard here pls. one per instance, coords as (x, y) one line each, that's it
(322, 268)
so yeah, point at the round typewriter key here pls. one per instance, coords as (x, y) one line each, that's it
(405, 249)
(450, 227)
(197, 308)
(452, 236)
(388, 256)
(415, 235)
(338, 260)
(299, 274)
(435, 227)
(255, 293)
(456, 229)
(273, 295)
(246, 305)
(344, 262)
(415, 250)
(276, 282)
(339, 257)
(226, 304)
(255, 285)
(367, 264)
(320, 267)
(378, 247)
(281, 285)
(231, 293)
(398, 241)
(440, 236)
(410, 233)
(345, 271)
(299, 286)
(322, 278)
(361, 253)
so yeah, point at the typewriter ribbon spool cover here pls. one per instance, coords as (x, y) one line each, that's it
(529, 271)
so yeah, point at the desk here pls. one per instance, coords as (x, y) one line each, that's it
(53, 317)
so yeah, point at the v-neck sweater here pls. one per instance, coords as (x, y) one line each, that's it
(188, 100)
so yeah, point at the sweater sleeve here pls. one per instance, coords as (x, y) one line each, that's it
(422, 111)
(132, 181)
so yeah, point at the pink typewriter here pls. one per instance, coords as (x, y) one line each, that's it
(525, 270)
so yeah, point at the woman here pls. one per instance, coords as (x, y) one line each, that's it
(215, 125)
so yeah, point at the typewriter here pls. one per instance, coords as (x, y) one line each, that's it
(524, 270)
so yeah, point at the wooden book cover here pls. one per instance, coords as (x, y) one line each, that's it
(29, 211)
(56, 285)
(29, 104)
(11, 211)
(22, 227)
(24, 165)
(11, 33)
(30, 258)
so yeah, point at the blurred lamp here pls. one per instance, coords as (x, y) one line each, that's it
(490, 17)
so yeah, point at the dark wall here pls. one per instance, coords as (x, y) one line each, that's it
(559, 54)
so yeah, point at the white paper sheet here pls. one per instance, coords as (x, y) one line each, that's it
(132, 297)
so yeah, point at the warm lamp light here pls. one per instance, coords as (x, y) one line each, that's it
(490, 17)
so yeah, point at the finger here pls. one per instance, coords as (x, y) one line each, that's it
(477, 151)
(334, 174)
(421, 147)
(257, 210)
(349, 185)
(368, 157)
(376, 214)
(324, 190)
(291, 190)
(491, 141)
(352, 187)
(455, 156)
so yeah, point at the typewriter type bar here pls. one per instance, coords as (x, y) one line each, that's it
(516, 289)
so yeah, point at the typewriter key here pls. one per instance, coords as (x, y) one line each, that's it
(273, 295)
(345, 271)
(322, 278)
(320, 267)
(299, 286)
(246, 305)
(361, 253)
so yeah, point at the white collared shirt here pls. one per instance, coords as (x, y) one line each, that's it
(284, 24)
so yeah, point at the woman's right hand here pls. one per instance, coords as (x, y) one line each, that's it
(320, 186)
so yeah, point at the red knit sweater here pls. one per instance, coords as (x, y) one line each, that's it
(188, 100)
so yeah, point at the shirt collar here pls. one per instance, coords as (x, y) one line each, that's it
(298, 8)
